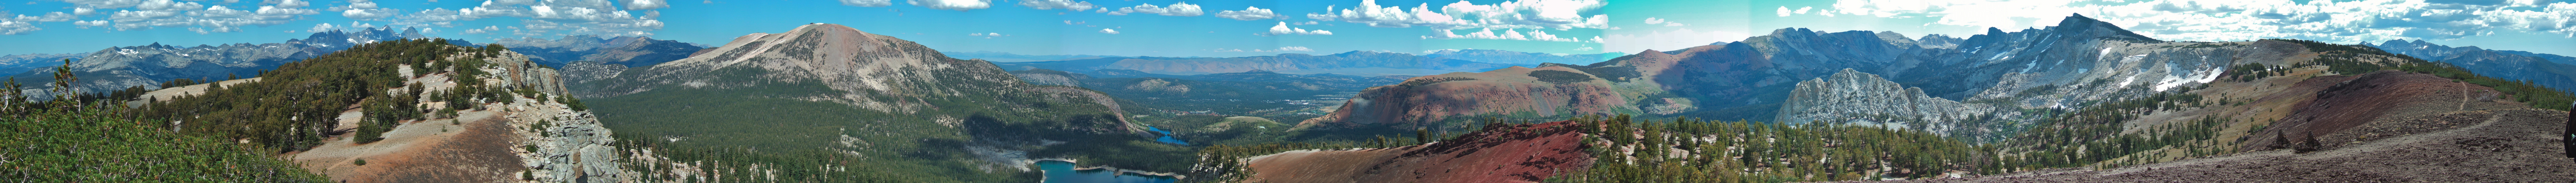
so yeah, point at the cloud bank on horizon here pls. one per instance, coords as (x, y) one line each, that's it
(2346, 21)
(2191, 20)
(1562, 26)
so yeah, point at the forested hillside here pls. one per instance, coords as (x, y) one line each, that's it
(828, 103)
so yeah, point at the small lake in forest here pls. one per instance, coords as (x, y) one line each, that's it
(1063, 172)
(1167, 136)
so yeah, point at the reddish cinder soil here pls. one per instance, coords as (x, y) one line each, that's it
(1516, 153)
(2344, 102)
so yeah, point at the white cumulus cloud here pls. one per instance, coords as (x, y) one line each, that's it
(48, 17)
(2214, 20)
(324, 27)
(640, 4)
(484, 30)
(148, 14)
(1249, 13)
(959, 5)
(17, 27)
(288, 3)
(1109, 31)
(1176, 9)
(1058, 4)
(1507, 34)
(546, 18)
(866, 3)
(90, 23)
(363, 10)
(1283, 29)
(1295, 49)
(1281, 49)
(327, 27)
(1667, 40)
(1653, 20)
(1516, 14)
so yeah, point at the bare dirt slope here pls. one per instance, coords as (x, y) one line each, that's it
(516, 138)
(476, 148)
(1517, 153)
(166, 94)
(2377, 97)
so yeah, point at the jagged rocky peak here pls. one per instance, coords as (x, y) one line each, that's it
(115, 68)
(338, 38)
(1891, 37)
(1853, 97)
(1938, 41)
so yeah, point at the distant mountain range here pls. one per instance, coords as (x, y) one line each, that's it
(2083, 101)
(1008, 57)
(1521, 58)
(1346, 63)
(884, 108)
(621, 50)
(1751, 79)
(2550, 70)
(1251, 93)
(14, 64)
(120, 67)
(2430, 51)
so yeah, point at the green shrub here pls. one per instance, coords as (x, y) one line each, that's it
(109, 145)
(370, 131)
(1559, 77)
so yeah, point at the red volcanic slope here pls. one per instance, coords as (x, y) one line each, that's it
(1514, 153)
(2344, 102)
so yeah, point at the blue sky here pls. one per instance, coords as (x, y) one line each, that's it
(1228, 28)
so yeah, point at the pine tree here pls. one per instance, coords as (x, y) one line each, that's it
(1421, 136)
(63, 81)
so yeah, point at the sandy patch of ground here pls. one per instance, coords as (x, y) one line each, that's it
(165, 94)
(477, 148)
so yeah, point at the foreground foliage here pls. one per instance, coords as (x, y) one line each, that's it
(226, 133)
(296, 107)
(103, 142)
(1691, 150)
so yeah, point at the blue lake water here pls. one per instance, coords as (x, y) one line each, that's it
(1063, 172)
(1167, 136)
